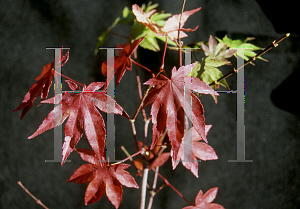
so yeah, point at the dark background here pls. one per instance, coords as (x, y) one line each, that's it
(271, 105)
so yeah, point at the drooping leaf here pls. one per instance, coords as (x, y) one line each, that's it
(103, 178)
(204, 201)
(168, 98)
(41, 86)
(81, 108)
(122, 62)
(189, 152)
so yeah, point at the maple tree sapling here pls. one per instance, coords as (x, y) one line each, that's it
(170, 111)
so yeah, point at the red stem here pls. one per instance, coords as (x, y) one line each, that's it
(139, 85)
(150, 71)
(68, 78)
(164, 55)
(170, 185)
(116, 34)
(128, 158)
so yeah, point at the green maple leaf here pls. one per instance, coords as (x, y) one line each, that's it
(208, 72)
(244, 50)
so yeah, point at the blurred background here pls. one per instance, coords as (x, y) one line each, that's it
(272, 126)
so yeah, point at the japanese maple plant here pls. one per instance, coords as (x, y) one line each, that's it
(174, 104)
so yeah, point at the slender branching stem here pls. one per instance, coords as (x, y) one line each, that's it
(142, 66)
(129, 157)
(116, 34)
(126, 153)
(68, 78)
(39, 202)
(153, 193)
(141, 103)
(272, 45)
(162, 67)
(170, 185)
(147, 121)
(134, 134)
(195, 55)
(139, 84)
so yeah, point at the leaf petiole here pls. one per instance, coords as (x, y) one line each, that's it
(68, 78)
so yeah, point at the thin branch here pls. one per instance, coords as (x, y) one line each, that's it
(129, 157)
(68, 78)
(134, 134)
(152, 193)
(160, 188)
(126, 153)
(139, 84)
(141, 103)
(272, 45)
(142, 66)
(147, 121)
(116, 34)
(195, 55)
(39, 202)
(164, 55)
(170, 185)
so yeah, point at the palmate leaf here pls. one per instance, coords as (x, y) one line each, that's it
(204, 201)
(159, 27)
(41, 86)
(140, 30)
(218, 52)
(208, 72)
(189, 153)
(103, 178)
(122, 62)
(169, 105)
(216, 56)
(244, 50)
(82, 113)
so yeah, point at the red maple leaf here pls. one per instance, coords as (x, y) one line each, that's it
(171, 26)
(169, 105)
(103, 178)
(122, 61)
(189, 151)
(81, 110)
(204, 201)
(41, 86)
